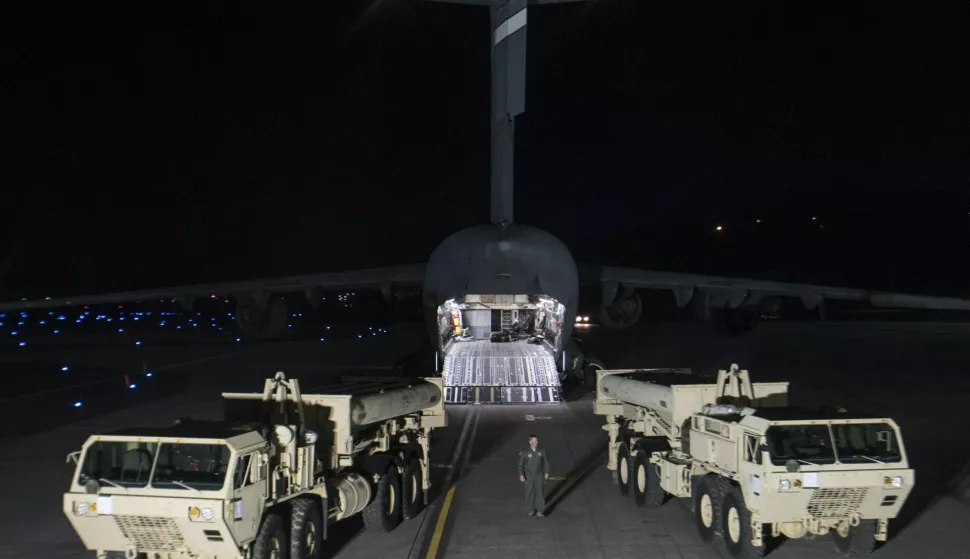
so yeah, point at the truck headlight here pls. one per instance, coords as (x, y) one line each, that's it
(200, 515)
(784, 485)
(895, 481)
(83, 508)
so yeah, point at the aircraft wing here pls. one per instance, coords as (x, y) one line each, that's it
(734, 292)
(360, 279)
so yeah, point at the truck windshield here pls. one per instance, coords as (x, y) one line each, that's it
(866, 442)
(124, 463)
(808, 444)
(193, 465)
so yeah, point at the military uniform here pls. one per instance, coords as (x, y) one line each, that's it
(534, 466)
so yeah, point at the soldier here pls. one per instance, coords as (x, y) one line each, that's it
(534, 471)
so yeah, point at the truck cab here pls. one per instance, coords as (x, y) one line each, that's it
(194, 485)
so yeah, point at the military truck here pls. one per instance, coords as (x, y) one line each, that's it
(752, 466)
(267, 482)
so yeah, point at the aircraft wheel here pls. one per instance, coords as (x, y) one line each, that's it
(412, 489)
(856, 541)
(623, 468)
(384, 512)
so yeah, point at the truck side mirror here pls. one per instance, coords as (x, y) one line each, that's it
(73, 457)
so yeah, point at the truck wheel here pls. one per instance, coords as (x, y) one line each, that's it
(306, 532)
(735, 526)
(412, 490)
(857, 541)
(646, 481)
(705, 499)
(271, 539)
(384, 512)
(623, 468)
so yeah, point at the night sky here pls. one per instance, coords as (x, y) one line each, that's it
(195, 143)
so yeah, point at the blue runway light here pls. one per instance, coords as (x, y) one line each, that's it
(42, 322)
(120, 330)
(360, 336)
(61, 317)
(132, 386)
(138, 343)
(322, 340)
(64, 368)
(20, 323)
(238, 340)
(22, 344)
(77, 404)
(56, 332)
(148, 374)
(14, 333)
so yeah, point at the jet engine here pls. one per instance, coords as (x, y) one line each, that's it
(734, 322)
(624, 311)
(261, 321)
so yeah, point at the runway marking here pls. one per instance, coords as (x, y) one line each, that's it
(557, 478)
(452, 466)
(440, 526)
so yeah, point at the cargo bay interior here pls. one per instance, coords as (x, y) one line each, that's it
(501, 348)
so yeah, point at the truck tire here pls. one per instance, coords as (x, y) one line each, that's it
(623, 468)
(271, 539)
(647, 491)
(860, 540)
(734, 520)
(412, 490)
(306, 529)
(705, 500)
(384, 512)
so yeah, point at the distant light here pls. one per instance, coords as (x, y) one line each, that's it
(22, 344)
(56, 332)
(119, 306)
(322, 340)
(47, 298)
(148, 374)
(360, 336)
(757, 221)
(212, 296)
(133, 385)
(120, 330)
(238, 340)
(64, 368)
(138, 342)
(814, 218)
(179, 327)
(289, 326)
(718, 228)
(77, 404)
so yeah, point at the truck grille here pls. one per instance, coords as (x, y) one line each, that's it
(836, 503)
(147, 532)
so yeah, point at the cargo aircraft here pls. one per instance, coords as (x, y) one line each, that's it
(501, 299)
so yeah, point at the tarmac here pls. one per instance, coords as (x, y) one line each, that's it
(916, 373)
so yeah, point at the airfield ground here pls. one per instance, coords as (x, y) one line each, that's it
(917, 373)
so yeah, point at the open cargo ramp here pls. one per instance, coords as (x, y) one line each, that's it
(485, 372)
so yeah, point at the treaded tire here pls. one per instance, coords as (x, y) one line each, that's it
(734, 525)
(624, 466)
(384, 512)
(271, 537)
(306, 529)
(411, 490)
(704, 510)
(861, 540)
(646, 481)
